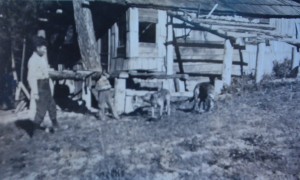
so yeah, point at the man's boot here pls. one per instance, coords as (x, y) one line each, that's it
(54, 123)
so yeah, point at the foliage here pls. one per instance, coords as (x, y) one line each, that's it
(282, 70)
(18, 21)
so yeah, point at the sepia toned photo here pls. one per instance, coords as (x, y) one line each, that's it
(149, 89)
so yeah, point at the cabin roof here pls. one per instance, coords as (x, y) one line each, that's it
(256, 8)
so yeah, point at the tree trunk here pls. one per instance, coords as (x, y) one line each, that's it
(86, 35)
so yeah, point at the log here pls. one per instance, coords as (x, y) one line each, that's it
(78, 75)
(86, 35)
(211, 61)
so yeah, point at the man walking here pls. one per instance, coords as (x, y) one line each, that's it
(38, 79)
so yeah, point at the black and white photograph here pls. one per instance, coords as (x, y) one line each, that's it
(150, 89)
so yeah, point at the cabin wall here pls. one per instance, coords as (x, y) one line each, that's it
(141, 55)
(275, 50)
(154, 56)
(213, 56)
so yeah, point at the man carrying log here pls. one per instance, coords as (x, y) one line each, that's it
(39, 82)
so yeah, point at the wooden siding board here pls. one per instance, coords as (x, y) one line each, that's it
(206, 68)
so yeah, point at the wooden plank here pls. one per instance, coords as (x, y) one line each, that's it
(148, 51)
(178, 56)
(145, 63)
(158, 75)
(211, 61)
(170, 48)
(148, 19)
(203, 56)
(204, 44)
(235, 24)
(202, 28)
(145, 13)
(130, 92)
(191, 50)
(260, 62)
(206, 69)
(200, 68)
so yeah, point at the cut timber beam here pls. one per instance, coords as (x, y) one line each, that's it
(158, 75)
(205, 44)
(211, 61)
(234, 24)
(229, 33)
(79, 75)
(200, 27)
(194, 75)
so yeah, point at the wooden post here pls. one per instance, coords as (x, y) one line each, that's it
(120, 92)
(227, 63)
(260, 62)
(296, 58)
(110, 67)
(218, 86)
(161, 32)
(177, 52)
(170, 48)
(132, 43)
(23, 59)
(179, 85)
(115, 40)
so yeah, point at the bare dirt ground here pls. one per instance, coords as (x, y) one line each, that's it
(255, 134)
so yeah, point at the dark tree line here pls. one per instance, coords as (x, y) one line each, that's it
(18, 21)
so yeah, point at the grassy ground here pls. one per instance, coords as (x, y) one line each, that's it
(253, 134)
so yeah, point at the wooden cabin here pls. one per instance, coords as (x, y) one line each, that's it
(189, 37)
(178, 43)
(161, 41)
